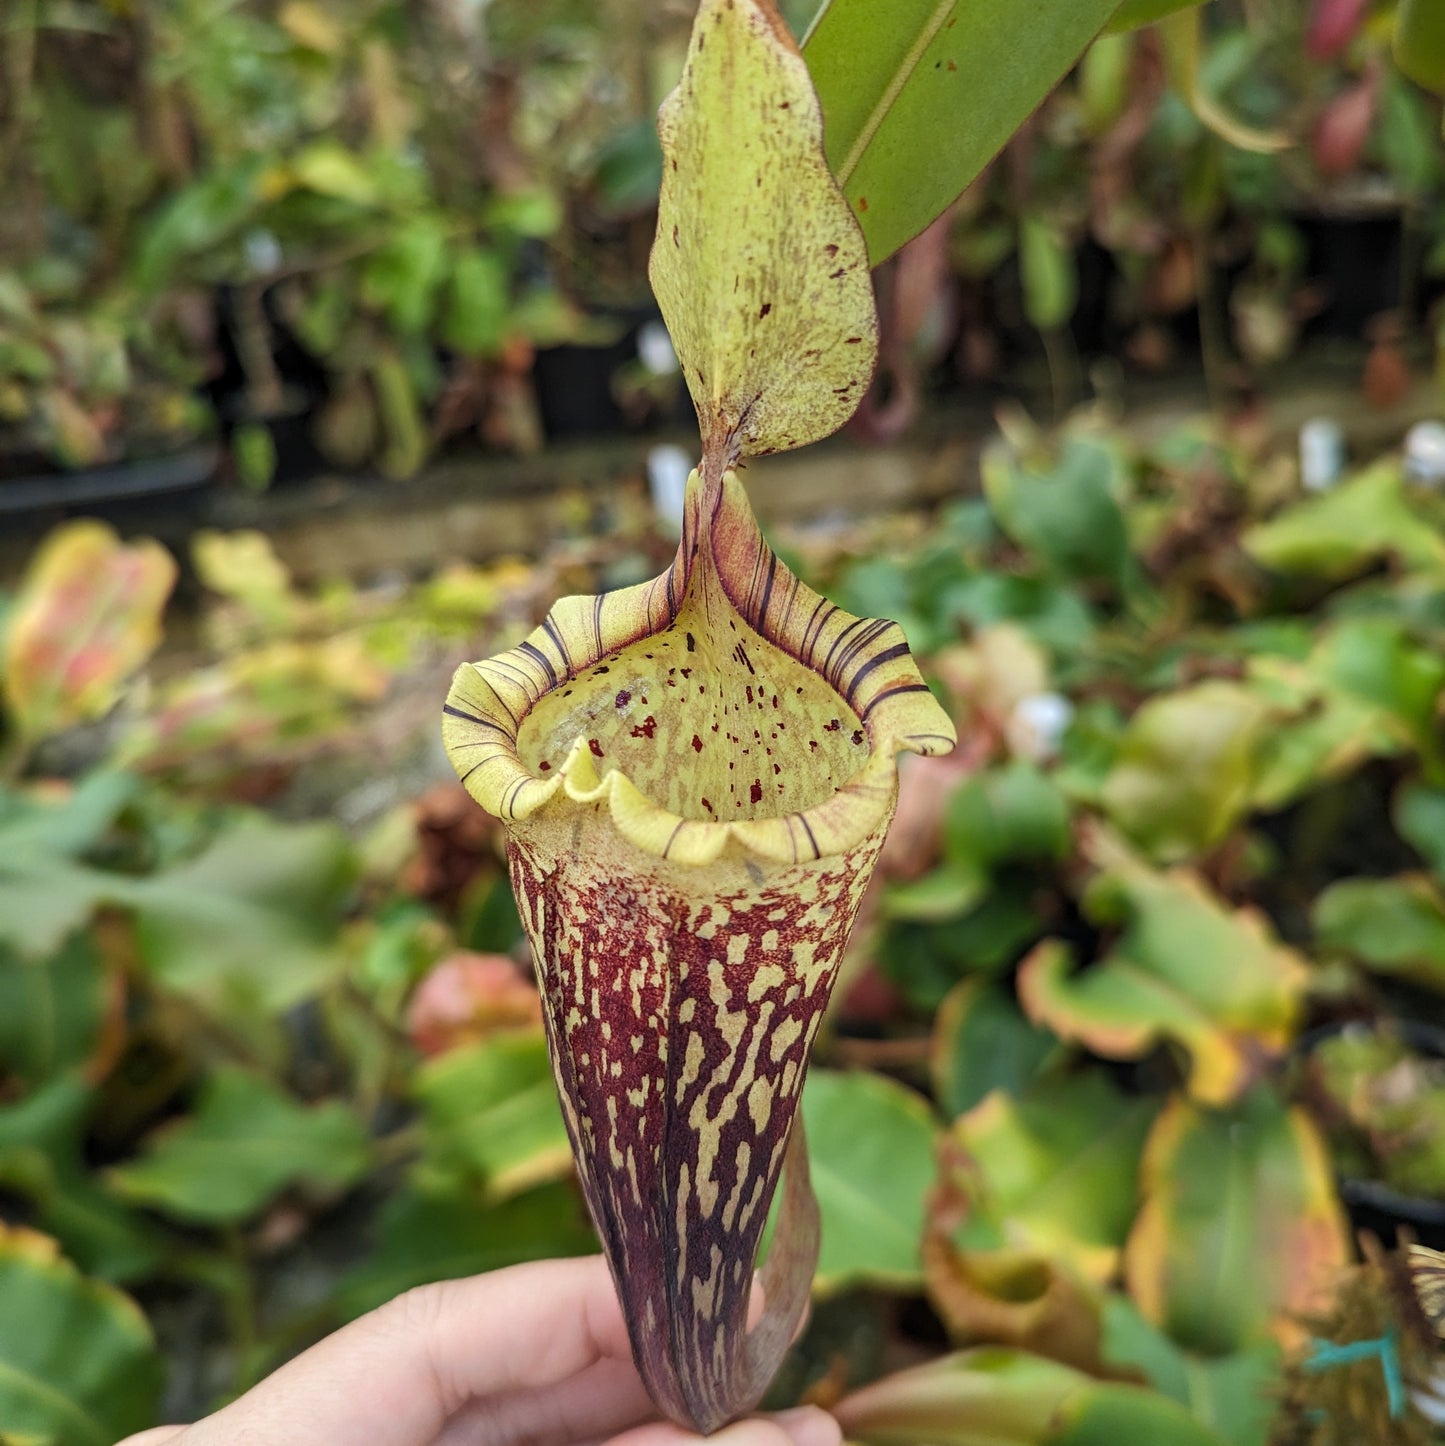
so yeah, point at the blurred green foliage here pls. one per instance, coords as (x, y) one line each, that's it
(287, 1070)
(357, 221)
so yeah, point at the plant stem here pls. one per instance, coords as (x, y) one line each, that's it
(1212, 348)
(399, 1144)
(1063, 363)
(240, 1304)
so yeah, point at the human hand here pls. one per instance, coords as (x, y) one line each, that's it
(536, 1355)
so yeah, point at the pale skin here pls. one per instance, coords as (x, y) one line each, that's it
(536, 1355)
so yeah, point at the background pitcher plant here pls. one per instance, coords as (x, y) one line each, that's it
(696, 774)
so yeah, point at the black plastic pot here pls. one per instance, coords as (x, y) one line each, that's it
(177, 472)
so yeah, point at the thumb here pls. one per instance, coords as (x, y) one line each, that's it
(802, 1426)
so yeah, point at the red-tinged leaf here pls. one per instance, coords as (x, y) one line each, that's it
(88, 614)
(467, 997)
(1332, 25)
(984, 1395)
(1344, 127)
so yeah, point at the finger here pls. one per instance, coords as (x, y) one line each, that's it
(606, 1398)
(804, 1426)
(394, 1377)
(156, 1436)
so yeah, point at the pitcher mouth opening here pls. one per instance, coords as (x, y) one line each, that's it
(722, 702)
(713, 729)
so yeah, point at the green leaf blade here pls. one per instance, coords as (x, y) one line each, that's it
(919, 95)
(491, 1109)
(870, 1148)
(245, 1143)
(77, 1362)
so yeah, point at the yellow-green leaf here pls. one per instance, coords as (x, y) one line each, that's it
(87, 615)
(1344, 531)
(759, 268)
(1186, 968)
(1046, 265)
(491, 1108)
(1131, 14)
(1240, 1228)
(1054, 1171)
(1186, 767)
(1420, 42)
(329, 169)
(406, 439)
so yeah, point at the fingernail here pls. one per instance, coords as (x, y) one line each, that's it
(809, 1426)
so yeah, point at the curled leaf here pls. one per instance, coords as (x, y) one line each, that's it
(1006, 1296)
(1182, 32)
(1185, 969)
(696, 775)
(1240, 1231)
